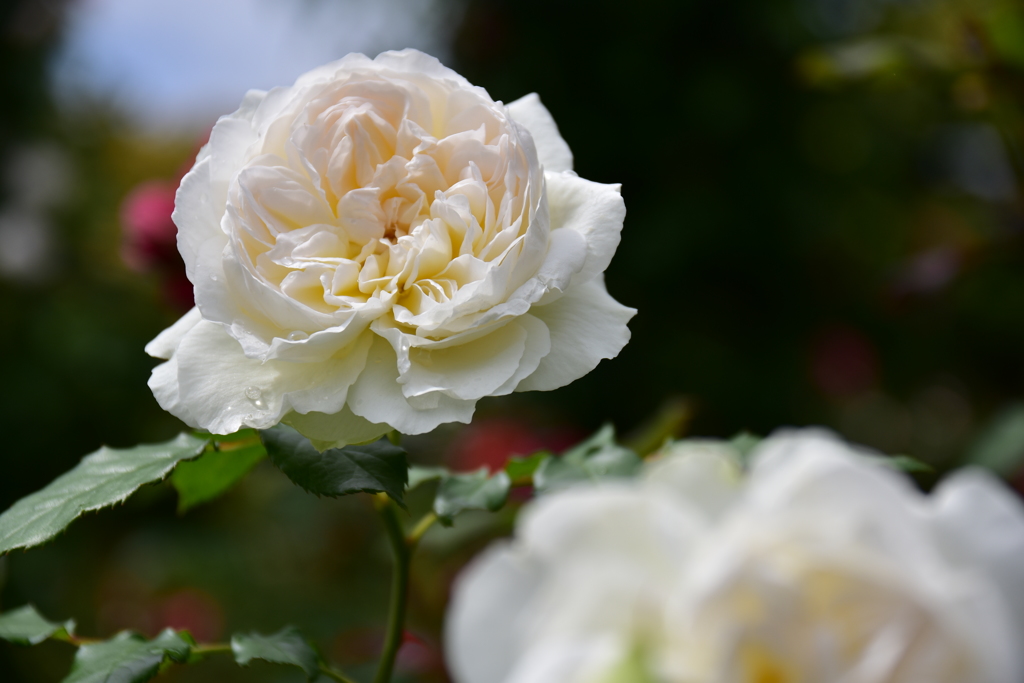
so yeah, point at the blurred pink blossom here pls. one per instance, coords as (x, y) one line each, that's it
(150, 239)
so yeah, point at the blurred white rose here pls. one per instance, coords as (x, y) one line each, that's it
(379, 246)
(819, 565)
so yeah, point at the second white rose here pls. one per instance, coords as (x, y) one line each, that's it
(379, 246)
(818, 565)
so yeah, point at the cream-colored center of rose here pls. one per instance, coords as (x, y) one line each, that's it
(406, 192)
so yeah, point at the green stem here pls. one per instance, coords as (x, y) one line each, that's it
(211, 649)
(336, 675)
(421, 528)
(401, 550)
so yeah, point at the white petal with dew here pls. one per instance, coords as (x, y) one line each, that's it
(226, 391)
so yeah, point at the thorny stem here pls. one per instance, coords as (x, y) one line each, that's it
(401, 550)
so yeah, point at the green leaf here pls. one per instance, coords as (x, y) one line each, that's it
(206, 478)
(418, 475)
(378, 467)
(103, 478)
(25, 626)
(667, 424)
(523, 469)
(1000, 446)
(599, 457)
(471, 491)
(127, 658)
(287, 646)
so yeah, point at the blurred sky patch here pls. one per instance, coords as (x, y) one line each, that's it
(178, 64)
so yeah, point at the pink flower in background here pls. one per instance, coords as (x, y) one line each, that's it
(150, 239)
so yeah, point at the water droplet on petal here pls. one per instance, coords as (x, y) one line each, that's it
(297, 335)
(255, 394)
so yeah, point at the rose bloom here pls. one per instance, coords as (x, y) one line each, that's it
(379, 246)
(818, 565)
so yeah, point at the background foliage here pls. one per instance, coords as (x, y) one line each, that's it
(824, 226)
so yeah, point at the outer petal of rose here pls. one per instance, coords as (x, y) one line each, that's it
(201, 198)
(231, 142)
(812, 472)
(490, 603)
(590, 521)
(985, 524)
(419, 64)
(432, 366)
(377, 396)
(814, 469)
(553, 151)
(333, 431)
(197, 217)
(163, 382)
(226, 391)
(538, 345)
(166, 342)
(579, 659)
(586, 325)
(594, 210)
(468, 371)
(704, 474)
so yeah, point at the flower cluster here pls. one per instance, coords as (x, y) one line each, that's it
(818, 564)
(379, 246)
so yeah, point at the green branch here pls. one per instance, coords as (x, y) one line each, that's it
(401, 550)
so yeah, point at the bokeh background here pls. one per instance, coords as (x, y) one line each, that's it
(825, 226)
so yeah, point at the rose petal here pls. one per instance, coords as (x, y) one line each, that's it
(490, 602)
(197, 214)
(377, 396)
(983, 524)
(586, 325)
(163, 382)
(468, 371)
(166, 342)
(337, 430)
(225, 391)
(553, 151)
(538, 345)
(594, 210)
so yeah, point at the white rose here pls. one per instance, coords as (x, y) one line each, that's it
(820, 565)
(379, 246)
